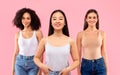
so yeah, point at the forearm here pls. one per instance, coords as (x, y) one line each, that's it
(39, 72)
(104, 55)
(79, 68)
(13, 60)
(106, 61)
(13, 63)
(38, 62)
(73, 65)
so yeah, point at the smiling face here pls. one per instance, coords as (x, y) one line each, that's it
(92, 19)
(58, 21)
(26, 19)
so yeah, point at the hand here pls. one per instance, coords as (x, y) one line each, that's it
(13, 72)
(64, 72)
(79, 73)
(46, 69)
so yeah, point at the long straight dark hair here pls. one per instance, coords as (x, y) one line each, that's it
(86, 24)
(65, 28)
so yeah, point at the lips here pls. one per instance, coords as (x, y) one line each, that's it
(92, 22)
(57, 24)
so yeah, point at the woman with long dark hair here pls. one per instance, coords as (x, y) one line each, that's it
(57, 47)
(91, 42)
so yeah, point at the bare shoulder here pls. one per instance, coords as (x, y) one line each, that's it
(79, 35)
(71, 40)
(17, 35)
(39, 33)
(44, 39)
(102, 33)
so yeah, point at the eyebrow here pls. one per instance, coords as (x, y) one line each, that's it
(59, 17)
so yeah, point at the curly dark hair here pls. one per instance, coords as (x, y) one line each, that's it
(85, 23)
(65, 28)
(35, 21)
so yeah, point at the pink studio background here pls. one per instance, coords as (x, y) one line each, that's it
(75, 10)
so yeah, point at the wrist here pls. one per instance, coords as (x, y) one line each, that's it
(68, 69)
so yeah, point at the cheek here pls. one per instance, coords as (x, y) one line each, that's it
(87, 20)
(29, 20)
(63, 22)
(52, 22)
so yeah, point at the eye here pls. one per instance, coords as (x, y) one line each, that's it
(61, 19)
(28, 18)
(94, 17)
(54, 19)
(89, 17)
(23, 18)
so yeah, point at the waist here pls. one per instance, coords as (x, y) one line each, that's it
(27, 52)
(93, 60)
(25, 57)
(56, 73)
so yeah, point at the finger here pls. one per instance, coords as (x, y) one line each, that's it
(60, 73)
(49, 69)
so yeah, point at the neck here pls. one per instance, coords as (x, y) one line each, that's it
(58, 33)
(92, 28)
(27, 29)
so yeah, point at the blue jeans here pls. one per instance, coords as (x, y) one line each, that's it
(93, 67)
(25, 65)
(55, 73)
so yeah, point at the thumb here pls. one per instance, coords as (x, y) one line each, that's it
(61, 73)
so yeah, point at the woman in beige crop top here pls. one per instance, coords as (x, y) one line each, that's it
(91, 46)
(58, 40)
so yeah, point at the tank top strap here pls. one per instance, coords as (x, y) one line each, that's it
(34, 33)
(20, 34)
(46, 42)
(99, 34)
(83, 34)
(68, 41)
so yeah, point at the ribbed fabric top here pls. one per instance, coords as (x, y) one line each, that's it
(57, 57)
(27, 47)
(92, 43)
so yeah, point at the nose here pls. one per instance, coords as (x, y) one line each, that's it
(57, 20)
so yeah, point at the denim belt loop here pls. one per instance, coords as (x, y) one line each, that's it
(93, 60)
(26, 57)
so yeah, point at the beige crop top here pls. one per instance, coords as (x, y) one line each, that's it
(91, 42)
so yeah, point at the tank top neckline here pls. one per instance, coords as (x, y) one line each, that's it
(27, 38)
(84, 34)
(47, 43)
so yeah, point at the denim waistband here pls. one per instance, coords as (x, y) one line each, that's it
(93, 60)
(25, 57)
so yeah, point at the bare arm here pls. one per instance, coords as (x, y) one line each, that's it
(16, 51)
(74, 54)
(39, 37)
(79, 46)
(75, 57)
(103, 50)
(39, 54)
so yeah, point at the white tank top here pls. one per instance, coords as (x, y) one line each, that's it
(27, 47)
(57, 57)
